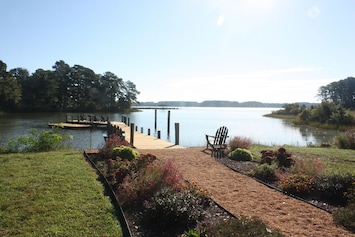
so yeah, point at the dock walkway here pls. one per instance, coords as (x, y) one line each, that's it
(143, 141)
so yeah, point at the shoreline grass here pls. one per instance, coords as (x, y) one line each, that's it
(53, 194)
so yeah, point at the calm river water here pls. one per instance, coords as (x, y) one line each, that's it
(194, 123)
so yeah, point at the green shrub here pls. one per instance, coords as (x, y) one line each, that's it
(241, 226)
(350, 194)
(47, 140)
(125, 153)
(346, 140)
(345, 216)
(113, 141)
(192, 233)
(240, 154)
(240, 142)
(298, 184)
(169, 208)
(265, 173)
(332, 187)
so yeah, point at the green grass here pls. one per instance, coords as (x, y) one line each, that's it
(336, 161)
(53, 194)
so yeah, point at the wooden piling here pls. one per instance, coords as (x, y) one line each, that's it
(177, 133)
(155, 120)
(168, 122)
(131, 135)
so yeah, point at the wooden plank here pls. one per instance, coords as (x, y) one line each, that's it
(143, 141)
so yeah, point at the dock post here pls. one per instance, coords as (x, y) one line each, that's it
(136, 128)
(177, 135)
(131, 135)
(168, 122)
(155, 120)
(158, 134)
(148, 131)
(141, 129)
(128, 121)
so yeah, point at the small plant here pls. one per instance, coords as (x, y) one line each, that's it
(170, 208)
(298, 184)
(267, 156)
(281, 156)
(240, 142)
(265, 173)
(139, 186)
(202, 194)
(332, 187)
(345, 216)
(124, 152)
(112, 142)
(240, 154)
(350, 194)
(311, 167)
(346, 140)
(241, 226)
(192, 233)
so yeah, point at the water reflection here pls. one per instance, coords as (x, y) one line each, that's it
(312, 135)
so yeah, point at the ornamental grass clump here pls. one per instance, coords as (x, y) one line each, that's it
(240, 154)
(311, 167)
(240, 142)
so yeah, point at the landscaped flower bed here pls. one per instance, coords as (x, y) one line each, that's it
(157, 201)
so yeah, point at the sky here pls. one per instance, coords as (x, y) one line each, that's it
(273, 51)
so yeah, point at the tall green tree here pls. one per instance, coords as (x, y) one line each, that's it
(111, 89)
(83, 81)
(10, 90)
(44, 90)
(62, 73)
(22, 76)
(341, 93)
(65, 88)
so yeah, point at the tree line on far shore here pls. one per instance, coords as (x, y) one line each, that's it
(64, 89)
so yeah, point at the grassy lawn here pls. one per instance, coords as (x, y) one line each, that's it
(336, 161)
(53, 194)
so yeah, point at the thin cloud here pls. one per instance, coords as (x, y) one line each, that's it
(220, 20)
(313, 12)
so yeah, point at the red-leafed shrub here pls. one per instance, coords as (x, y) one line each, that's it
(281, 156)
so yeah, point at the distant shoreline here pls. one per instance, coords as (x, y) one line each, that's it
(211, 103)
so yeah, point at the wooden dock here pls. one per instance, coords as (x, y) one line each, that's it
(143, 141)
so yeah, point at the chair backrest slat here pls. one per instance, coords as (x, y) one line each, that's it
(221, 136)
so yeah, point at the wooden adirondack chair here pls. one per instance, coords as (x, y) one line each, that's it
(217, 142)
